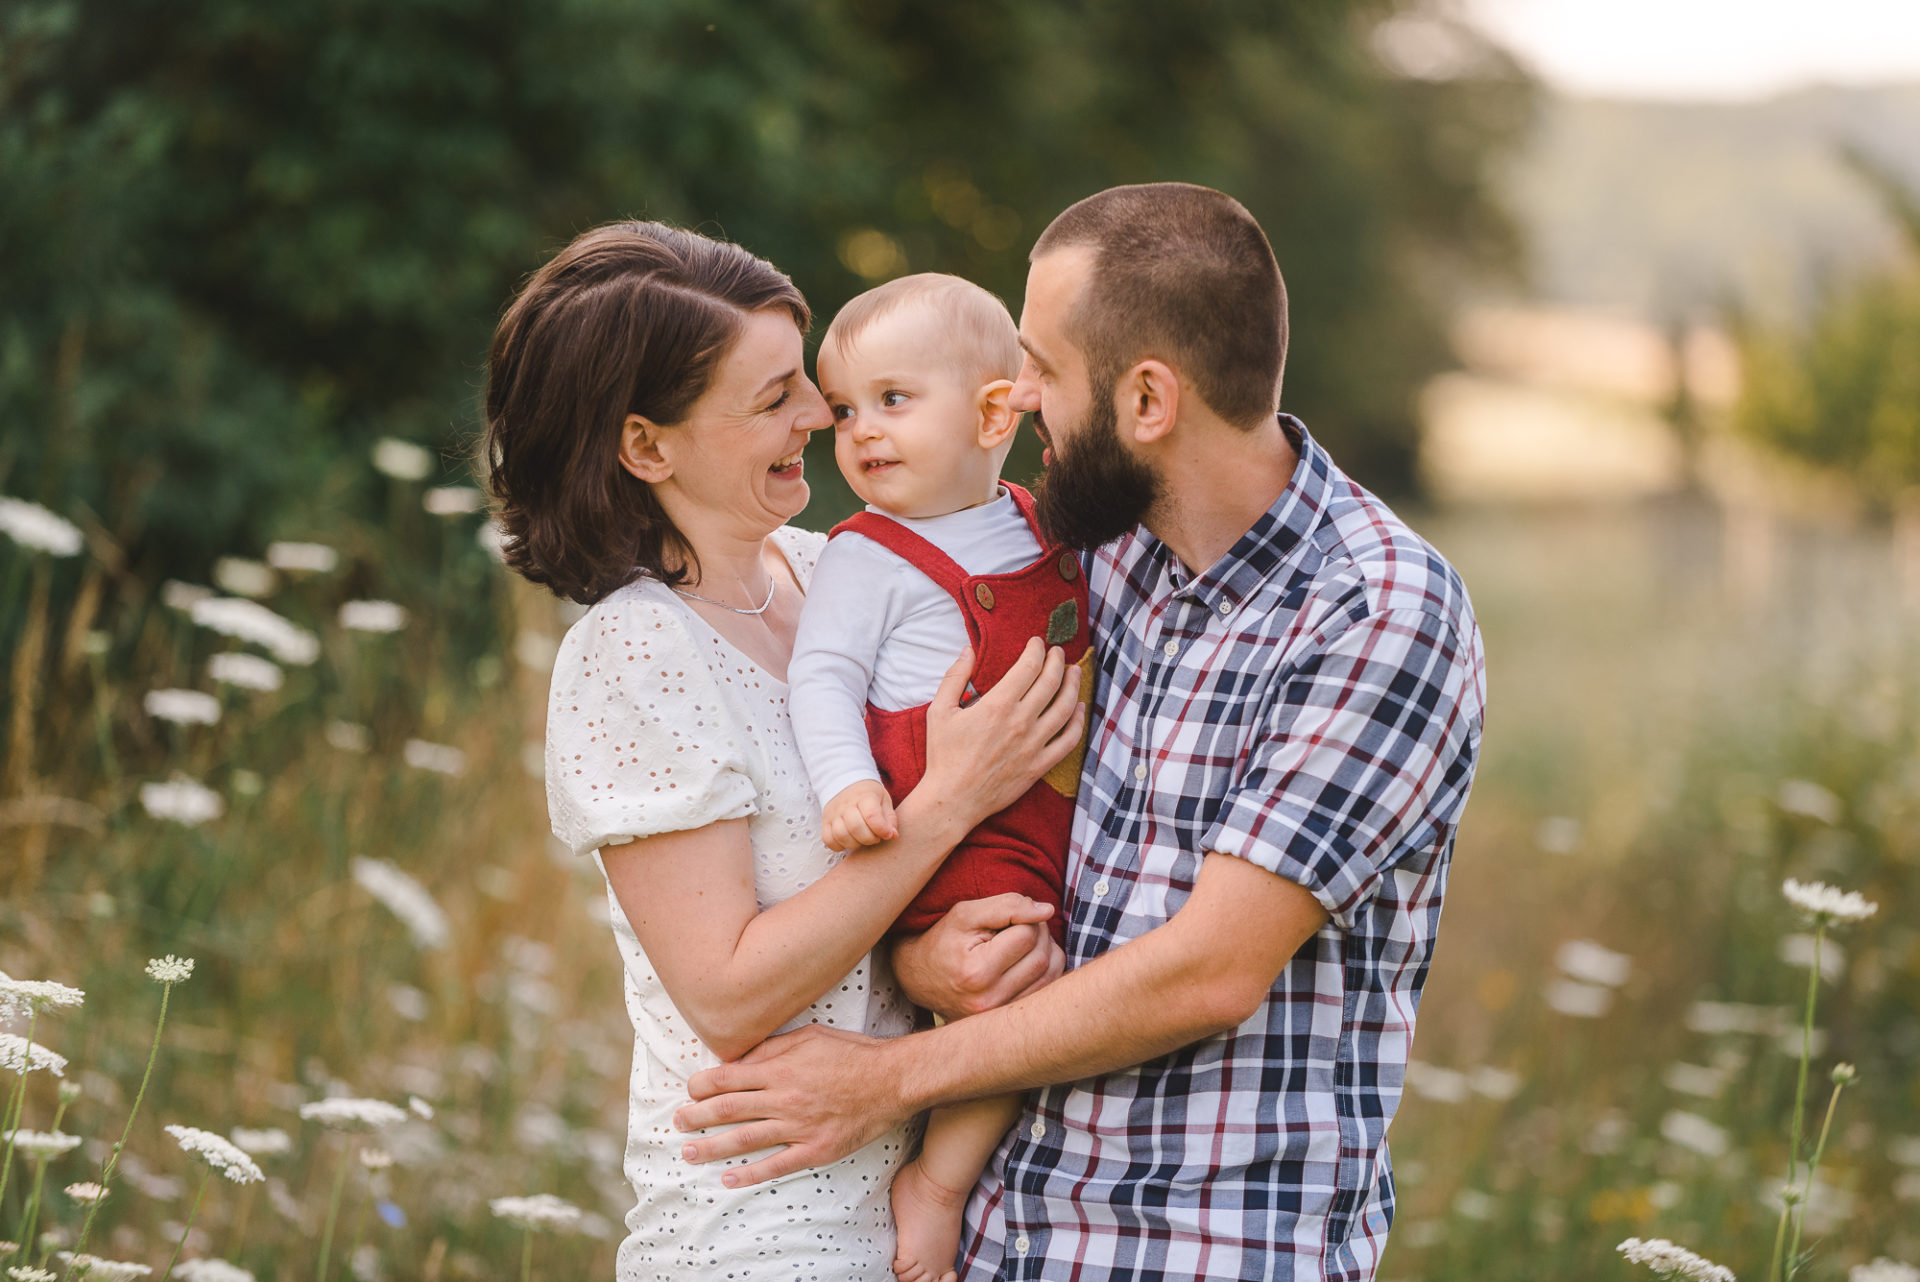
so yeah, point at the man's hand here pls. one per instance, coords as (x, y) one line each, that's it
(821, 1091)
(860, 814)
(984, 953)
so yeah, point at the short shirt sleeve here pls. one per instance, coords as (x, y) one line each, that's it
(640, 739)
(1365, 757)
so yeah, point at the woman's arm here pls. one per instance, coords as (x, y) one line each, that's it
(738, 974)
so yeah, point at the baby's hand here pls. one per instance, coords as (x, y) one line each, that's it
(860, 814)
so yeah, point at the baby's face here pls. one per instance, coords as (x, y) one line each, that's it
(906, 427)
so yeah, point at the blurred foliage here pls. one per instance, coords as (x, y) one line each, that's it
(245, 240)
(1843, 392)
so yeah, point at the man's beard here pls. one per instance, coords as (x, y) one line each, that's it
(1094, 491)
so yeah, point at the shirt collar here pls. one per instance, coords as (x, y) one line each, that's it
(1270, 542)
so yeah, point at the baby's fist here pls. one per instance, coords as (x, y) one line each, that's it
(860, 814)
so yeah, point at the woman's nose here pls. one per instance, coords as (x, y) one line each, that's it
(815, 413)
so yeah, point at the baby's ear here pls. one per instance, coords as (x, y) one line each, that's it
(998, 420)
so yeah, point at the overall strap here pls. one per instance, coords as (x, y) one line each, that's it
(916, 551)
(1024, 501)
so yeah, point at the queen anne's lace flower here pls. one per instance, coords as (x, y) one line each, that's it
(349, 1114)
(402, 460)
(242, 577)
(40, 994)
(1664, 1258)
(32, 526)
(303, 558)
(182, 707)
(210, 1271)
(248, 671)
(87, 1191)
(270, 1142)
(453, 500)
(219, 1152)
(42, 1145)
(27, 1273)
(437, 757)
(252, 622)
(95, 1269)
(170, 969)
(406, 899)
(1823, 902)
(20, 1056)
(541, 1211)
(181, 800)
(373, 616)
(1883, 1270)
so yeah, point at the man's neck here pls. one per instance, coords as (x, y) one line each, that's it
(1216, 486)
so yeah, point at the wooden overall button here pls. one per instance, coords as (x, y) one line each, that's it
(1069, 566)
(984, 595)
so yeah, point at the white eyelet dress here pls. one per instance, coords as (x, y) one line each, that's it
(655, 724)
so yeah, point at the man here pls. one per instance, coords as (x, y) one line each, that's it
(1282, 736)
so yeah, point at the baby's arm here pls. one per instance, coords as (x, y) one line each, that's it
(848, 612)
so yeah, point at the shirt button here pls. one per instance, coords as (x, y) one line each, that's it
(1100, 889)
(1226, 608)
(1038, 1130)
(1140, 771)
(1021, 1244)
(1170, 649)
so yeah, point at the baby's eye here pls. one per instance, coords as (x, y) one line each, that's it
(841, 412)
(893, 399)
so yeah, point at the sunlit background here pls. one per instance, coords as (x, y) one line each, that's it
(1617, 302)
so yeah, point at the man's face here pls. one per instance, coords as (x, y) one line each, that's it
(1094, 490)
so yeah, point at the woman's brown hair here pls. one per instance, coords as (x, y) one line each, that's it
(631, 318)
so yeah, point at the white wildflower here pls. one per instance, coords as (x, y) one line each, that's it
(41, 994)
(536, 651)
(372, 616)
(1798, 950)
(182, 707)
(420, 1108)
(1664, 1258)
(1692, 1131)
(17, 1056)
(1828, 903)
(406, 899)
(27, 1273)
(207, 1270)
(1582, 1001)
(302, 558)
(1804, 797)
(9, 1249)
(219, 1152)
(1558, 835)
(437, 757)
(349, 1114)
(1695, 1079)
(1495, 1083)
(349, 736)
(176, 595)
(170, 969)
(453, 500)
(42, 1145)
(1442, 1085)
(375, 1159)
(32, 526)
(181, 800)
(1590, 963)
(541, 1211)
(254, 623)
(248, 671)
(95, 1269)
(269, 1142)
(402, 460)
(242, 577)
(1883, 1270)
(408, 1002)
(1472, 1204)
(492, 538)
(1735, 1017)
(86, 1191)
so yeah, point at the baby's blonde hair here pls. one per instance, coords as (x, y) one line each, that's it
(984, 343)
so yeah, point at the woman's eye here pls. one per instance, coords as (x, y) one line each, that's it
(892, 399)
(782, 401)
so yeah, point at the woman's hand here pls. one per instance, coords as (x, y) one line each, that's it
(986, 755)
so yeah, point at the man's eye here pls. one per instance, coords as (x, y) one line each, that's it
(891, 399)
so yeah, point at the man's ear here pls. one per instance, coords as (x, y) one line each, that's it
(1148, 401)
(998, 420)
(640, 450)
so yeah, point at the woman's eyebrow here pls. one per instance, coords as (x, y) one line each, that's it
(774, 382)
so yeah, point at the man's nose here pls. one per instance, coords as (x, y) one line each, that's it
(1024, 396)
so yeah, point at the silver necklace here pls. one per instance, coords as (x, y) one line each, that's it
(771, 584)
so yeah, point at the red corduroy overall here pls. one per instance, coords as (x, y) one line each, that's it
(1024, 847)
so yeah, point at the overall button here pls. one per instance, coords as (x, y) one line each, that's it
(1038, 1130)
(1170, 649)
(1021, 1244)
(1069, 566)
(984, 595)
(1100, 888)
(1140, 771)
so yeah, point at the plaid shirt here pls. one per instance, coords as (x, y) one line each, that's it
(1312, 704)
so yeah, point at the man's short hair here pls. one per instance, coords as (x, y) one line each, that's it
(980, 342)
(1182, 274)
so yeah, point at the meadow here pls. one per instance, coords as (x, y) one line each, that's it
(351, 846)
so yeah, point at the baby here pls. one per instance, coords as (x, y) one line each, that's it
(946, 556)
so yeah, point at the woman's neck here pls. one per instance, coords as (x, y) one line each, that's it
(728, 569)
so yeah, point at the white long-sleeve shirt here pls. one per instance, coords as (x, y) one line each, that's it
(876, 630)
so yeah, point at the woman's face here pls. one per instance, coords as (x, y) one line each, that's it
(733, 465)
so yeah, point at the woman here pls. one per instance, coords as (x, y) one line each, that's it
(647, 407)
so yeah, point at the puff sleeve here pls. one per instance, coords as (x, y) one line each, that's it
(640, 739)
